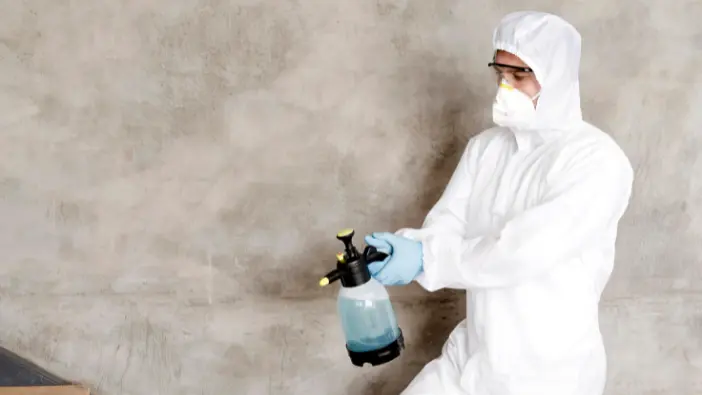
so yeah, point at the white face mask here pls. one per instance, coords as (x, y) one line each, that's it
(512, 108)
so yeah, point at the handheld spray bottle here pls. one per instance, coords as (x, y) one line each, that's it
(367, 317)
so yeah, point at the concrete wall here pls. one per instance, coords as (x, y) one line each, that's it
(173, 173)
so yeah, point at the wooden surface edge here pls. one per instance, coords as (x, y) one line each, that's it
(45, 390)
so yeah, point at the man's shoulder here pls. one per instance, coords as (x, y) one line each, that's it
(592, 145)
(589, 133)
(492, 133)
(489, 136)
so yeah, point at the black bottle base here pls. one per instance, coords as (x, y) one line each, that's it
(379, 356)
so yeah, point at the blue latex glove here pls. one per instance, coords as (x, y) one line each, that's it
(404, 261)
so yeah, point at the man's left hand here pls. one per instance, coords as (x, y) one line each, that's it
(404, 262)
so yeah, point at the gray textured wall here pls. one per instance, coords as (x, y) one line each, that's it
(173, 173)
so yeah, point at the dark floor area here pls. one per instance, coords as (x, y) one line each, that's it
(17, 372)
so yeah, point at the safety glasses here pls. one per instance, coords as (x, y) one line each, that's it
(499, 67)
(513, 74)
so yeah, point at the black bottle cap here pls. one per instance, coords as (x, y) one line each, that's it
(351, 266)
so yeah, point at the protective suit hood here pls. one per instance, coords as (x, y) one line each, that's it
(551, 47)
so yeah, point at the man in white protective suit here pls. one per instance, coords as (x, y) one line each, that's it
(527, 224)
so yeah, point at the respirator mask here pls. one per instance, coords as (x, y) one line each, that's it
(512, 108)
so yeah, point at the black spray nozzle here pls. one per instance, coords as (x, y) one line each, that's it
(352, 267)
(330, 277)
(336, 273)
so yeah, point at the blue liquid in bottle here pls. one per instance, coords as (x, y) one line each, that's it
(369, 324)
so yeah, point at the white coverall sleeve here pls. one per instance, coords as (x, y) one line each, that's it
(579, 206)
(446, 218)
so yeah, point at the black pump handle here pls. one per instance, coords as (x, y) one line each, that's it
(371, 254)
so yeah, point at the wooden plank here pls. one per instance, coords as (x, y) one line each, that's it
(48, 390)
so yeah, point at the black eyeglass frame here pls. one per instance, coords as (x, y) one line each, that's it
(509, 66)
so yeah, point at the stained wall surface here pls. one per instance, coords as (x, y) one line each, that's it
(173, 173)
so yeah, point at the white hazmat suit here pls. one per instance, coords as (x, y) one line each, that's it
(528, 224)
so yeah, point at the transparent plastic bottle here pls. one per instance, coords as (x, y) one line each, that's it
(367, 317)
